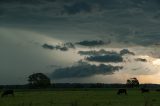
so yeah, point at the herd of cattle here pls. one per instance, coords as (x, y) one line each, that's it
(119, 92)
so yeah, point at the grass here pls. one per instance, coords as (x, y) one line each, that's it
(98, 97)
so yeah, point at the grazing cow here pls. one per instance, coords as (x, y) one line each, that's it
(122, 91)
(144, 90)
(7, 92)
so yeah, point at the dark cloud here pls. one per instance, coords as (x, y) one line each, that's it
(84, 70)
(100, 52)
(105, 58)
(47, 46)
(62, 47)
(77, 7)
(126, 51)
(69, 45)
(128, 21)
(104, 52)
(141, 59)
(91, 43)
(2, 11)
(24, 1)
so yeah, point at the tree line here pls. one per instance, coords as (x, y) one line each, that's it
(40, 80)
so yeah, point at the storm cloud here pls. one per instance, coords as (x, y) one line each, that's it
(47, 46)
(32, 31)
(141, 60)
(91, 43)
(84, 70)
(77, 7)
(104, 52)
(105, 58)
(94, 52)
(124, 21)
(62, 47)
(126, 51)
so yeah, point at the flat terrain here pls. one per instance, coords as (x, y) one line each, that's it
(90, 97)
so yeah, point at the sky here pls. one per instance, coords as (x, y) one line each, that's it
(80, 41)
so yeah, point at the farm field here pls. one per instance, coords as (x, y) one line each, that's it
(98, 97)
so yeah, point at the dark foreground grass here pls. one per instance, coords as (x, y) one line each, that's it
(81, 98)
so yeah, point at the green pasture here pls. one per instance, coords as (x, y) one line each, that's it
(98, 97)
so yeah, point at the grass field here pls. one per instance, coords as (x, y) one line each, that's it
(98, 97)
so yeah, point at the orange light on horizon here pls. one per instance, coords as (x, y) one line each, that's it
(156, 62)
(152, 79)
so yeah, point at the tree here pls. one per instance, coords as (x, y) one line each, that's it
(39, 80)
(132, 82)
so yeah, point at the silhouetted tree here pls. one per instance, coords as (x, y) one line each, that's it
(132, 82)
(39, 80)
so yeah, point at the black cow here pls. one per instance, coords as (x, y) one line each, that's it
(122, 91)
(7, 92)
(144, 90)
